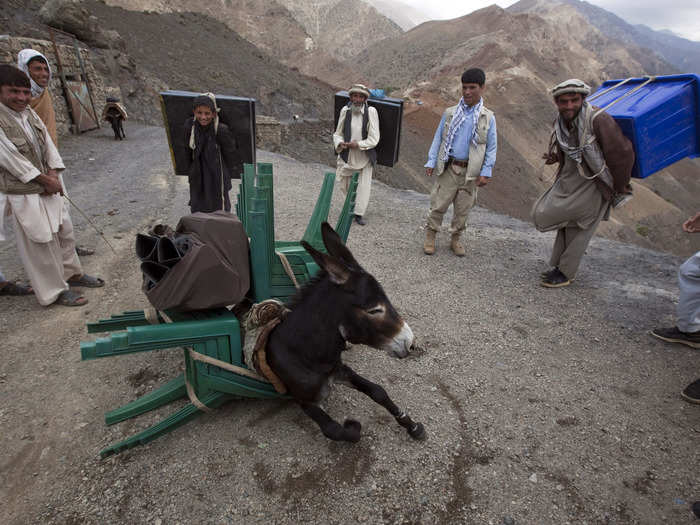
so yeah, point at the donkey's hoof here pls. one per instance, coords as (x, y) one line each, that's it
(352, 430)
(417, 432)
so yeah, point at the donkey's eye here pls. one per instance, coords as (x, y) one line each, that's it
(376, 310)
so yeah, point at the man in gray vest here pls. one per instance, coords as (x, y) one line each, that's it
(354, 140)
(461, 156)
(595, 163)
(31, 191)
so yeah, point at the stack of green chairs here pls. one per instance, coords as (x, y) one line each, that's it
(255, 209)
(216, 332)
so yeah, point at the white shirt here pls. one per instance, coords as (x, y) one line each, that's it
(357, 158)
(39, 215)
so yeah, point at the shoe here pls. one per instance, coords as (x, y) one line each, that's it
(9, 288)
(555, 279)
(691, 393)
(456, 245)
(548, 273)
(429, 244)
(71, 298)
(359, 220)
(84, 252)
(620, 199)
(674, 335)
(86, 281)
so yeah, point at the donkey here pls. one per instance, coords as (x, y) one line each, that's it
(343, 303)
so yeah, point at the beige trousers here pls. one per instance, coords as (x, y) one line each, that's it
(451, 187)
(49, 264)
(364, 185)
(570, 245)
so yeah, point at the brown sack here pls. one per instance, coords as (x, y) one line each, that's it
(214, 272)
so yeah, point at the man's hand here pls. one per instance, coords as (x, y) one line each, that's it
(51, 183)
(352, 145)
(429, 172)
(482, 181)
(692, 225)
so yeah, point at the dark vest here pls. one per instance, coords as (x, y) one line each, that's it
(371, 153)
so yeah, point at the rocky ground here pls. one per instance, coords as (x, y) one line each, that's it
(541, 406)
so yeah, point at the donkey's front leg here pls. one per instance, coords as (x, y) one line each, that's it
(348, 376)
(349, 431)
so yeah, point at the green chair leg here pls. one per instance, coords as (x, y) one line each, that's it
(312, 235)
(177, 419)
(167, 393)
(342, 227)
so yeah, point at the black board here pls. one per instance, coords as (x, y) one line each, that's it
(390, 111)
(237, 112)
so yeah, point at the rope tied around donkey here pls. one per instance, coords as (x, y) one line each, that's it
(261, 319)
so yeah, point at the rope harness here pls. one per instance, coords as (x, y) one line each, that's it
(261, 320)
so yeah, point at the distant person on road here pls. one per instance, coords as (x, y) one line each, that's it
(213, 159)
(462, 157)
(355, 140)
(595, 164)
(115, 113)
(37, 68)
(31, 191)
(687, 328)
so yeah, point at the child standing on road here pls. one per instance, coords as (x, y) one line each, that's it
(213, 157)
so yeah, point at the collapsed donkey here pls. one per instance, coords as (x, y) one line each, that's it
(342, 303)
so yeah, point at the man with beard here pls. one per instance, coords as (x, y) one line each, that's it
(354, 140)
(461, 156)
(31, 191)
(595, 164)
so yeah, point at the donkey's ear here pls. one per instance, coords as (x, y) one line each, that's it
(336, 269)
(335, 246)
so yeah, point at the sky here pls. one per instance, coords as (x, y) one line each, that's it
(680, 16)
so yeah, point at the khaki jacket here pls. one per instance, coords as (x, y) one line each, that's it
(476, 152)
(16, 134)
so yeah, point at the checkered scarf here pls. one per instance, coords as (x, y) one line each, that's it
(462, 113)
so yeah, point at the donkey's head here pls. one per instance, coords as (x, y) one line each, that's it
(367, 316)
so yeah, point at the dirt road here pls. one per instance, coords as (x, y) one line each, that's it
(542, 406)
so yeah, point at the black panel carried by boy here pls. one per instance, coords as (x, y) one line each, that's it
(210, 138)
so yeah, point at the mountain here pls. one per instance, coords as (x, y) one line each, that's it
(317, 37)
(683, 54)
(404, 15)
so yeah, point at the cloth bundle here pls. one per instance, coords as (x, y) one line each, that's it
(202, 264)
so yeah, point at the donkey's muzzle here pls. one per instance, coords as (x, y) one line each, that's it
(402, 343)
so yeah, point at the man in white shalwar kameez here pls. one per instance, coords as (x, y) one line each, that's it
(31, 192)
(354, 140)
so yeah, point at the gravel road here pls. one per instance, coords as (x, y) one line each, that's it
(541, 406)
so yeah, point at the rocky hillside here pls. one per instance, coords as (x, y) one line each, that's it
(683, 54)
(404, 15)
(316, 37)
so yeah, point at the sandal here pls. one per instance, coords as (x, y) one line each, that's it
(16, 289)
(70, 298)
(84, 252)
(85, 280)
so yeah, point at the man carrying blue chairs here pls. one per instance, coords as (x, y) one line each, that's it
(595, 164)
